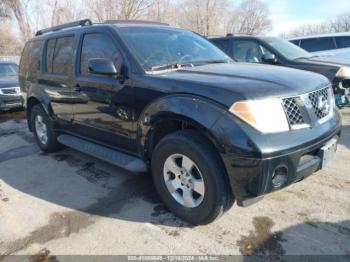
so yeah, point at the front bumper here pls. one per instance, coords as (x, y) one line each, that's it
(251, 174)
(10, 102)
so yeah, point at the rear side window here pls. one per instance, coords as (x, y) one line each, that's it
(98, 45)
(31, 58)
(224, 45)
(317, 44)
(296, 42)
(343, 41)
(59, 55)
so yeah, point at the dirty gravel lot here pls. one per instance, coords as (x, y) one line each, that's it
(70, 203)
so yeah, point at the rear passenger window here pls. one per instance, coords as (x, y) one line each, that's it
(224, 45)
(59, 55)
(343, 41)
(317, 44)
(296, 42)
(98, 45)
(49, 54)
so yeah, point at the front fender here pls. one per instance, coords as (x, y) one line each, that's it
(204, 112)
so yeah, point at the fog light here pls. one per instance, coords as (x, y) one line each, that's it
(280, 176)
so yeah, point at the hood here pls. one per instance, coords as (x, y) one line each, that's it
(331, 61)
(249, 81)
(9, 81)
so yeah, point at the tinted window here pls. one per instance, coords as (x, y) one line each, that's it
(343, 41)
(296, 42)
(49, 54)
(317, 44)
(223, 44)
(247, 51)
(98, 46)
(59, 55)
(34, 57)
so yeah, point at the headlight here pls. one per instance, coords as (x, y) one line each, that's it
(266, 115)
(343, 72)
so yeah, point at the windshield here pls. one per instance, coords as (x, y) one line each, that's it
(8, 70)
(286, 48)
(155, 48)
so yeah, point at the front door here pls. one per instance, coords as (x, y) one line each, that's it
(102, 108)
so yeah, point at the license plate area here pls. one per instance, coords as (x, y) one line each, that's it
(327, 152)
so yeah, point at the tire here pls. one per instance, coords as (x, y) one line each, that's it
(50, 144)
(208, 171)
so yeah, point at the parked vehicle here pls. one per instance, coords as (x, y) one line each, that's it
(10, 92)
(276, 51)
(334, 45)
(147, 96)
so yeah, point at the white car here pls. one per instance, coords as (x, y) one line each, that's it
(335, 44)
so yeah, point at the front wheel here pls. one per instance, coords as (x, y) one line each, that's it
(190, 177)
(44, 133)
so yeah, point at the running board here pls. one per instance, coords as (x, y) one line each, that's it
(113, 157)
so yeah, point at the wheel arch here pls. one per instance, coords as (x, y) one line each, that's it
(177, 112)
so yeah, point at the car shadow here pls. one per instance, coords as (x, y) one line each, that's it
(79, 182)
(309, 241)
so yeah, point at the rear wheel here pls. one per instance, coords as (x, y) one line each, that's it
(190, 177)
(44, 133)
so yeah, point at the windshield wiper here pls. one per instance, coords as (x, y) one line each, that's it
(211, 61)
(189, 64)
(171, 66)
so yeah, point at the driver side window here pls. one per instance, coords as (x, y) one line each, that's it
(98, 45)
(249, 51)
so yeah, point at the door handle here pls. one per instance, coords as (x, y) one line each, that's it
(77, 88)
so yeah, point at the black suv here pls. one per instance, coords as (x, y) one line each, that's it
(277, 51)
(147, 96)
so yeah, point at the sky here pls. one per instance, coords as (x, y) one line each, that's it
(289, 14)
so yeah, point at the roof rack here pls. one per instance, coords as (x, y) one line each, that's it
(135, 22)
(83, 22)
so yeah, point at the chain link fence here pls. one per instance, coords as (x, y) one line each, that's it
(14, 59)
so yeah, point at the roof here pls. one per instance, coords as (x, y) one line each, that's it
(321, 35)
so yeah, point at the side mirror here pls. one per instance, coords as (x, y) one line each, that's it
(102, 66)
(269, 58)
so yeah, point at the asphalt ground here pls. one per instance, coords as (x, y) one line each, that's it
(70, 203)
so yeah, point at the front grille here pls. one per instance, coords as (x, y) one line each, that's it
(9, 91)
(314, 98)
(292, 111)
(302, 111)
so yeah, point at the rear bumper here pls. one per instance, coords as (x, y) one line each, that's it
(251, 176)
(10, 102)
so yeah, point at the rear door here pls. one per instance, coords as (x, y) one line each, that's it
(58, 73)
(103, 104)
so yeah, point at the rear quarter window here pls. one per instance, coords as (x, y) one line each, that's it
(317, 44)
(31, 58)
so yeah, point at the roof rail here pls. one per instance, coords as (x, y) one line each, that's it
(134, 22)
(83, 22)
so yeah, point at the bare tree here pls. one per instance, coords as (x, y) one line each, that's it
(251, 17)
(120, 9)
(9, 44)
(202, 16)
(19, 11)
(339, 24)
